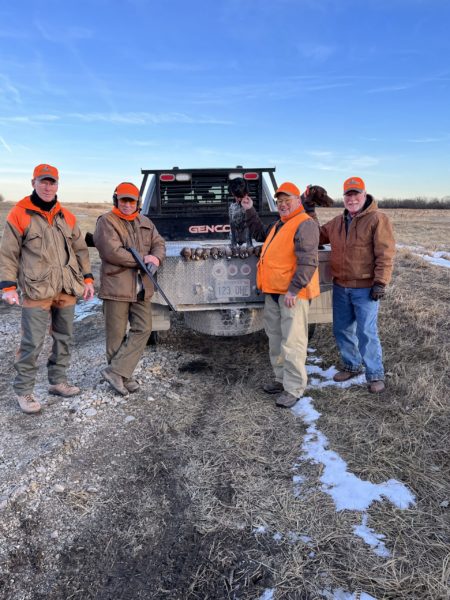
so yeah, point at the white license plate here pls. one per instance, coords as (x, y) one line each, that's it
(233, 288)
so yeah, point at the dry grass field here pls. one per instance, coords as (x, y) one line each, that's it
(195, 497)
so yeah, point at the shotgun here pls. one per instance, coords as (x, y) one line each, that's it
(151, 273)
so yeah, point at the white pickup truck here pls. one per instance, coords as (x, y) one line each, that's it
(218, 296)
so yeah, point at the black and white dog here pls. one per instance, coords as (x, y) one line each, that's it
(239, 232)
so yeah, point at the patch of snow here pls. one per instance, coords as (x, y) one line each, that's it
(371, 538)
(340, 594)
(347, 490)
(268, 594)
(298, 480)
(304, 409)
(260, 529)
(315, 383)
(86, 308)
(294, 537)
(314, 359)
(435, 258)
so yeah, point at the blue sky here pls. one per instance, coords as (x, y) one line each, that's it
(320, 89)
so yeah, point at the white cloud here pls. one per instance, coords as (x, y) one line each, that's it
(63, 35)
(166, 65)
(30, 119)
(9, 90)
(428, 140)
(5, 145)
(316, 52)
(145, 118)
(390, 88)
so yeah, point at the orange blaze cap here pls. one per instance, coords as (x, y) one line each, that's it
(45, 172)
(354, 184)
(127, 190)
(288, 188)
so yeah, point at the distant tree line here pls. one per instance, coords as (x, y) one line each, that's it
(419, 202)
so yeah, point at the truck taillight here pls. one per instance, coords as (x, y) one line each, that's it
(183, 177)
(234, 175)
(251, 176)
(177, 177)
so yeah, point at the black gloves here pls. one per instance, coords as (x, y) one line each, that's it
(377, 291)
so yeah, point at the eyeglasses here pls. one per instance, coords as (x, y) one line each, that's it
(287, 201)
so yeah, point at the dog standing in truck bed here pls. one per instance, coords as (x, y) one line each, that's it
(239, 232)
(313, 196)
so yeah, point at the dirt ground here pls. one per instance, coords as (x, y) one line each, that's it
(184, 490)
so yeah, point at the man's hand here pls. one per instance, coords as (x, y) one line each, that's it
(11, 297)
(88, 293)
(377, 292)
(154, 260)
(290, 299)
(246, 202)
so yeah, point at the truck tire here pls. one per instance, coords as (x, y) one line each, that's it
(153, 339)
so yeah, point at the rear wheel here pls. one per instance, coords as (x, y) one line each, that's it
(153, 339)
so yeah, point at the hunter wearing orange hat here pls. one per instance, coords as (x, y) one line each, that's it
(362, 254)
(44, 254)
(125, 292)
(289, 277)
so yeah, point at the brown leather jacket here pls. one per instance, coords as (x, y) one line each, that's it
(365, 254)
(119, 273)
(43, 252)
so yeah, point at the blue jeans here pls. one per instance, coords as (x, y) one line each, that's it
(355, 329)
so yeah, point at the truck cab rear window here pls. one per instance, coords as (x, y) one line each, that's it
(201, 193)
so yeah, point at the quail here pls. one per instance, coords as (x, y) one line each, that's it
(243, 251)
(186, 253)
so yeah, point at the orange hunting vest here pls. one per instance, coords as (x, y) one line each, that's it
(278, 261)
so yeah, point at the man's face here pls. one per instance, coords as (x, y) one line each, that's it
(45, 188)
(127, 206)
(354, 201)
(287, 203)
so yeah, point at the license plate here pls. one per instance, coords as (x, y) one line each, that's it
(233, 288)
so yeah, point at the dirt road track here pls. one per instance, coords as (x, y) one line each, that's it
(164, 506)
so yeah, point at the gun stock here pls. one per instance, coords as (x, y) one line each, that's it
(145, 269)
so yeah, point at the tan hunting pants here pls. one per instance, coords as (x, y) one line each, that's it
(287, 330)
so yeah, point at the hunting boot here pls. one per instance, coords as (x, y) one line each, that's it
(273, 387)
(286, 400)
(376, 387)
(345, 376)
(64, 389)
(131, 384)
(115, 381)
(28, 404)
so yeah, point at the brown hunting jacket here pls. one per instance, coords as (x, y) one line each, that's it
(119, 272)
(365, 254)
(43, 252)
